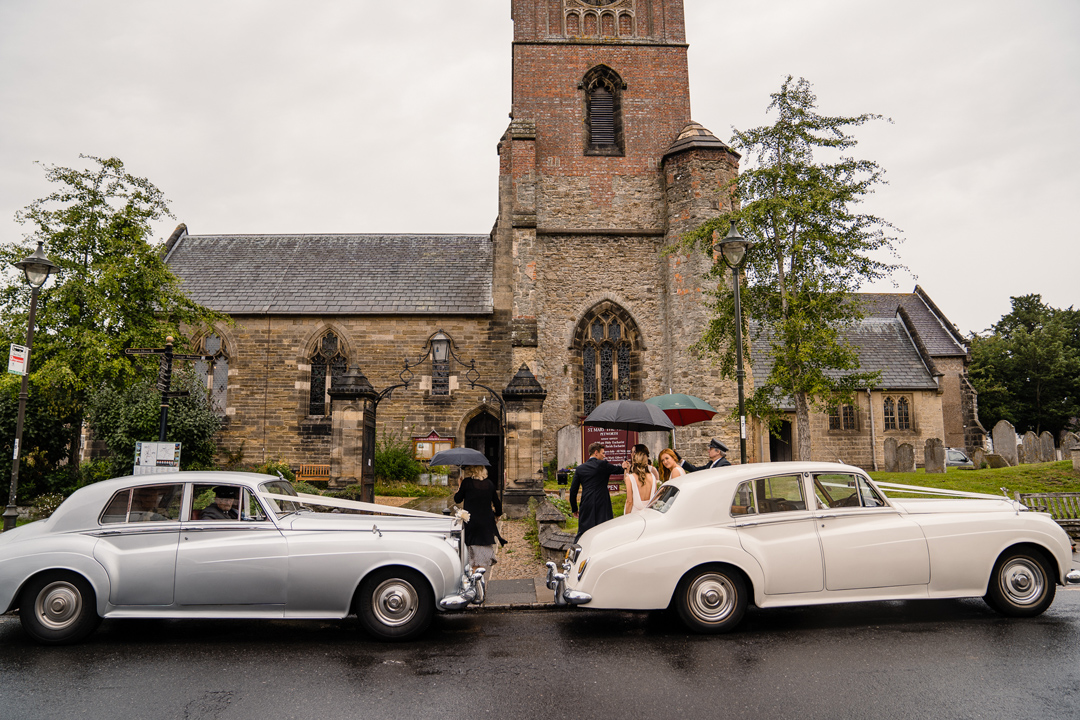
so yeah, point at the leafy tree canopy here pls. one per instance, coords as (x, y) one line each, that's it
(1026, 368)
(797, 203)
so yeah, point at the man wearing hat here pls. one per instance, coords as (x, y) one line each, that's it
(223, 507)
(717, 451)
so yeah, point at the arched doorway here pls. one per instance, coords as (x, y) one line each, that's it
(484, 433)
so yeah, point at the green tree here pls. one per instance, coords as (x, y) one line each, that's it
(811, 250)
(1027, 367)
(112, 289)
(122, 416)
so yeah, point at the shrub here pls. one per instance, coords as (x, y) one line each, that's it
(273, 467)
(393, 458)
(45, 505)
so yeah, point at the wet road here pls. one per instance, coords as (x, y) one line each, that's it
(937, 659)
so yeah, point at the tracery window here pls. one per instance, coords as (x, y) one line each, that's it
(216, 382)
(897, 411)
(606, 360)
(327, 364)
(603, 111)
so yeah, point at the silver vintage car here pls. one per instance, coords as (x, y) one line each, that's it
(230, 545)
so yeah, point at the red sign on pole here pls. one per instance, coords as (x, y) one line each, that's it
(618, 446)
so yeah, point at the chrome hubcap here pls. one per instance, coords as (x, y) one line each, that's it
(395, 602)
(58, 605)
(1022, 581)
(712, 597)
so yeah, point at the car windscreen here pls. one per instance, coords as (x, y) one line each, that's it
(283, 488)
(663, 500)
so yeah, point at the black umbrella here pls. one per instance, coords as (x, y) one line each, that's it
(629, 415)
(459, 456)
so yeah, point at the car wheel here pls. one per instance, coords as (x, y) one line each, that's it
(395, 604)
(57, 608)
(711, 600)
(1021, 585)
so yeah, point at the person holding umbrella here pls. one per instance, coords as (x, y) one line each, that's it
(480, 499)
(592, 477)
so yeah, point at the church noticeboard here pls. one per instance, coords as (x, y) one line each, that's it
(424, 448)
(617, 447)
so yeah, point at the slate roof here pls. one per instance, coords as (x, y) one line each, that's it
(336, 274)
(940, 336)
(883, 345)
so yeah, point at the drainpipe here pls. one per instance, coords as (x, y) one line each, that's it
(873, 434)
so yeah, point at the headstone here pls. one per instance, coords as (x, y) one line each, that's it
(1031, 448)
(1068, 442)
(905, 458)
(1020, 458)
(1048, 452)
(1004, 435)
(1076, 457)
(996, 461)
(978, 458)
(890, 454)
(934, 456)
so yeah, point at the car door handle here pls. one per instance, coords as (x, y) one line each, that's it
(826, 517)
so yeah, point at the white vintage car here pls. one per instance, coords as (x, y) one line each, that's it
(782, 534)
(229, 545)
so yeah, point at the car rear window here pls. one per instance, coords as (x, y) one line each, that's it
(151, 503)
(664, 499)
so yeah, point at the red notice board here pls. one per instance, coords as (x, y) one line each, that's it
(618, 445)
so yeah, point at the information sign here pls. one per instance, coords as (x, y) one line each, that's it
(152, 458)
(17, 359)
(618, 446)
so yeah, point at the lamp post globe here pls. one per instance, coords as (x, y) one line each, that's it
(37, 269)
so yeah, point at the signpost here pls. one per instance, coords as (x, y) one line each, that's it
(165, 361)
(152, 458)
(17, 358)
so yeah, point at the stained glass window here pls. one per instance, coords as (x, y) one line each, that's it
(605, 361)
(890, 414)
(903, 414)
(327, 364)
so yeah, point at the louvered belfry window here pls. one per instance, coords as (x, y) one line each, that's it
(602, 117)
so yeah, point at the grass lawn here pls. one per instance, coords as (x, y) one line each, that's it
(1041, 477)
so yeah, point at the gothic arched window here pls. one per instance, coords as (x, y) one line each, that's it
(897, 410)
(216, 384)
(327, 363)
(603, 111)
(606, 337)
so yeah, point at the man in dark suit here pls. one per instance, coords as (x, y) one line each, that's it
(717, 450)
(592, 476)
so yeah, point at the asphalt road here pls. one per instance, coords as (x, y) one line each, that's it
(929, 659)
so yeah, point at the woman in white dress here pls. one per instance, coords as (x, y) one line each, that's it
(640, 484)
(669, 465)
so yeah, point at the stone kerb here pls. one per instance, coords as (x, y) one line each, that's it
(890, 454)
(934, 456)
(1004, 435)
(1032, 450)
(1048, 453)
(905, 458)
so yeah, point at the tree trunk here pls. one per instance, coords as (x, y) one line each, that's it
(802, 426)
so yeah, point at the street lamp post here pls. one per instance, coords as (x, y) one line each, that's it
(37, 269)
(733, 249)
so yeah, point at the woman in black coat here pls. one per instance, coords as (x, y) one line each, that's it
(480, 499)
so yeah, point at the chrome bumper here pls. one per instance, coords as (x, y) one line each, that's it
(1072, 577)
(473, 588)
(557, 581)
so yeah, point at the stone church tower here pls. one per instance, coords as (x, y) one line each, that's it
(601, 168)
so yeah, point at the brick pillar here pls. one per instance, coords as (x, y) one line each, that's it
(524, 402)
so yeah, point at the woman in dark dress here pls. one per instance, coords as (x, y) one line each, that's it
(481, 500)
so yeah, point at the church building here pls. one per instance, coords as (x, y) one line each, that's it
(502, 341)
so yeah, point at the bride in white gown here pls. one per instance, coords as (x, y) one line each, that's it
(640, 484)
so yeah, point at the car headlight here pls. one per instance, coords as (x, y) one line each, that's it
(581, 568)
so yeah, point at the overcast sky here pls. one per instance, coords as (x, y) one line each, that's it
(275, 116)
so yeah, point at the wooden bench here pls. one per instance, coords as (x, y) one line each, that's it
(317, 473)
(1063, 507)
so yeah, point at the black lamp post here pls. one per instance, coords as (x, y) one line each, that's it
(733, 249)
(37, 269)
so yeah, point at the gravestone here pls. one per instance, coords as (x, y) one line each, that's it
(1047, 451)
(995, 461)
(1031, 448)
(934, 456)
(890, 454)
(1020, 458)
(978, 458)
(1068, 442)
(1004, 435)
(905, 458)
(1076, 458)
